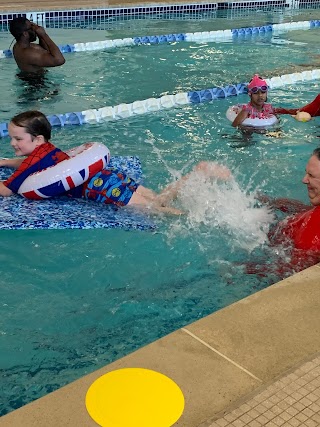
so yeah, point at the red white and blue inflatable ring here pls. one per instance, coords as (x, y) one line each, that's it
(85, 161)
(234, 110)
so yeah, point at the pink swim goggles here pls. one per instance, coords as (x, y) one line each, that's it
(256, 89)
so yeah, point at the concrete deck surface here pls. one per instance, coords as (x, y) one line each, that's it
(218, 361)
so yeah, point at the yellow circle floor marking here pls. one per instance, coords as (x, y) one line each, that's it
(134, 397)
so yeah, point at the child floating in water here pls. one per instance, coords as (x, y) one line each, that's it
(30, 134)
(258, 108)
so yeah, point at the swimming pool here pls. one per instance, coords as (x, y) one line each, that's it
(74, 300)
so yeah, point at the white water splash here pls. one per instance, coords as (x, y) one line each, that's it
(214, 205)
(173, 172)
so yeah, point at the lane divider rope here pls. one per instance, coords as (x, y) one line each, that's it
(123, 111)
(204, 36)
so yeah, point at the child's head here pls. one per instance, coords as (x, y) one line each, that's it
(27, 131)
(257, 84)
(258, 90)
(34, 122)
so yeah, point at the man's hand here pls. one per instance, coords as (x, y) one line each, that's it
(40, 31)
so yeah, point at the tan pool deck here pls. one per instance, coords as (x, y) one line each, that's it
(254, 363)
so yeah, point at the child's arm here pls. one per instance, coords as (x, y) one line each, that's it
(11, 163)
(240, 118)
(4, 191)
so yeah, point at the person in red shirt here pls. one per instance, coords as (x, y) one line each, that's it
(299, 233)
(313, 108)
(303, 228)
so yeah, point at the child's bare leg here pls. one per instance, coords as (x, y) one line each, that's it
(143, 196)
(213, 170)
(159, 202)
(171, 192)
(146, 193)
(208, 169)
(148, 198)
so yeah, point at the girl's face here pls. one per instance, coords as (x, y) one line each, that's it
(258, 99)
(22, 142)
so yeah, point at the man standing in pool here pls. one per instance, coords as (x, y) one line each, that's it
(31, 57)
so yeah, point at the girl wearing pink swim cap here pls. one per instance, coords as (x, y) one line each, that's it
(257, 108)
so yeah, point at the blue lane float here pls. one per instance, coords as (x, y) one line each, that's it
(17, 213)
(3, 130)
(167, 38)
(195, 97)
(61, 120)
(150, 105)
(204, 36)
(251, 30)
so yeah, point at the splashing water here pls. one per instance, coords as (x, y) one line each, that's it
(222, 205)
(173, 172)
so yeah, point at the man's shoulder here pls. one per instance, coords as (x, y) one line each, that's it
(23, 50)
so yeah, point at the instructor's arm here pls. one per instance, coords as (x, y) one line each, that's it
(47, 53)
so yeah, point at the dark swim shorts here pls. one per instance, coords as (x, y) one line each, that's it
(110, 186)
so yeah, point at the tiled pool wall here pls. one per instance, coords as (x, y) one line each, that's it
(45, 17)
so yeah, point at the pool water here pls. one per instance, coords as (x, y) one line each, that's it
(88, 79)
(74, 300)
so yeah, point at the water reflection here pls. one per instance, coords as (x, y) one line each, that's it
(35, 87)
(245, 135)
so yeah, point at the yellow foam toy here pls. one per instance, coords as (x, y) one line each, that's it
(302, 116)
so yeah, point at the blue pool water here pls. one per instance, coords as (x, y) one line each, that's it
(74, 300)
